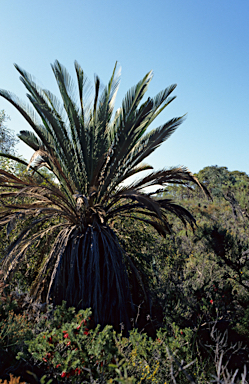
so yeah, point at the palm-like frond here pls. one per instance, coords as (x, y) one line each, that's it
(91, 153)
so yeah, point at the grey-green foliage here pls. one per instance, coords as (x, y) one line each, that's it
(8, 139)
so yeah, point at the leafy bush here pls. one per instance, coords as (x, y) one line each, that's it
(15, 329)
(69, 348)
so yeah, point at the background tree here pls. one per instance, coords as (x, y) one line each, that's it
(8, 139)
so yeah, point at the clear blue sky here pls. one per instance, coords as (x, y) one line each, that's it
(202, 45)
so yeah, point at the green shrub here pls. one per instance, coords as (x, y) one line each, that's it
(69, 348)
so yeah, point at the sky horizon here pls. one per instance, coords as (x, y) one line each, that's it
(201, 46)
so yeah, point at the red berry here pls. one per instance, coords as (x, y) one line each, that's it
(211, 301)
(63, 374)
(66, 335)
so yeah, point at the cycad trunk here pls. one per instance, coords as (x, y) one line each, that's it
(92, 273)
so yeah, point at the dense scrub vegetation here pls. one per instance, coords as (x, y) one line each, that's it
(193, 294)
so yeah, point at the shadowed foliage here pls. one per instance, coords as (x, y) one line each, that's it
(91, 153)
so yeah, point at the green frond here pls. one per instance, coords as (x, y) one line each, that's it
(25, 111)
(30, 139)
(85, 94)
(67, 90)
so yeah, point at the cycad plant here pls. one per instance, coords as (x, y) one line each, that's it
(91, 153)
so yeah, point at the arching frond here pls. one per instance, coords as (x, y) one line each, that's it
(30, 139)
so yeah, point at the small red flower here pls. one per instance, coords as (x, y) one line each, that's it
(86, 333)
(63, 374)
(44, 360)
(82, 321)
(49, 355)
(50, 340)
(58, 365)
(44, 337)
(181, 333)
(68, 343)
(66, 336)
(211, 301)
(77, 371)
